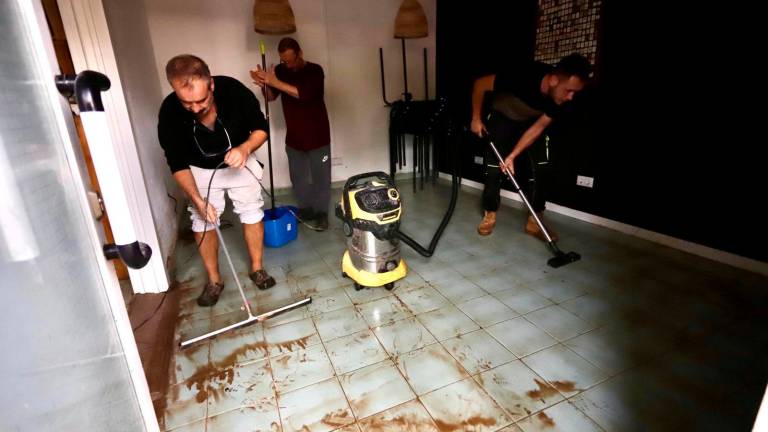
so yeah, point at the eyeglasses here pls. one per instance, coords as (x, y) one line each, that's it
(210, 138)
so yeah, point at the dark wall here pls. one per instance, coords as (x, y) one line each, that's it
(662, 129)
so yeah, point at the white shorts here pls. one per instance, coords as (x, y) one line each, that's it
(239, 185)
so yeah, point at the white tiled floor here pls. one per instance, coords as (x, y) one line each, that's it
(483, 336)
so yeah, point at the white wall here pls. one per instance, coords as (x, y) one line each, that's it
(130, 36)
(343, 36)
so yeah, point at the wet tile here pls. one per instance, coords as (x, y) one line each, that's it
(366, 295)
(478, 411)
(410, 416)
(328, 301)
(342, 322)
(521, 337)
(350, 428)
(384, 311)
(477, 351)
(430, 368)
(297, 314)
(592, 308)
(246, 419)
(422, 299)
(186, 362)
(517, 389)
(435, 271)
(610, 406)
(355, 351)
(608, 349)
(447, 322)
(306, 267)
(411, 281)
(403, 336)
(565, 370)
(185, 404)
(198, 426)
(240, 386)
(375, 388)
(496, 282)
(522, 300)
(238, 346)
(511, 428)
(300, 368)
(317, 284)
(291, 337)
(458, 289)
(557, 289)
(558, 322)
(320, 407)
(562, 417)
(487, 311)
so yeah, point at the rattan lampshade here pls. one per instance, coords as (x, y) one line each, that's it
(411, 22)
(273, 17)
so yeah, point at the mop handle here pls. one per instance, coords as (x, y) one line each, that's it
(234, 272)
(269, 131)
(519, 191)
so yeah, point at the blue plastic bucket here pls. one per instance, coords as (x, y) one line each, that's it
(280, 226)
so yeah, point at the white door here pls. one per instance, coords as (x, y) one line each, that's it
(69, 360)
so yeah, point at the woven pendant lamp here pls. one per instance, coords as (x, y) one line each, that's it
(411, 22)
(273, 17)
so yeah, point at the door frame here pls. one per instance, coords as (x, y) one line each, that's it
(90, 45)
(34, 16)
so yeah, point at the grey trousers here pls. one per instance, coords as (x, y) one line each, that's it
(311, 177)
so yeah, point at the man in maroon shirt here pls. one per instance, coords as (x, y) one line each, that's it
(308, 137)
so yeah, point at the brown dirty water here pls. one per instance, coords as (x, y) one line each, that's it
(231, 359)
(566, 386)
(284, 360)
(340, 417)
(544, 391)
(291, 345)
(402, 423)
(497, 379)
(200, 379)
(441, 354)
(472, 422)
(154, 321)
(484, 364)
(546, 420)
(405, 307)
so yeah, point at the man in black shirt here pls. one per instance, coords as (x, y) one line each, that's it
(209, 128)
(525, 100)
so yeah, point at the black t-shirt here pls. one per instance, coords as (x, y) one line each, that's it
(517, 93)
(185, 140)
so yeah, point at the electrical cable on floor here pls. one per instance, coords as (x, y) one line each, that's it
(165, 294)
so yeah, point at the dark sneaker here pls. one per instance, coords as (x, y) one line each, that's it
(305, 214)
(321, 222)
(210, 294)
(262, 279)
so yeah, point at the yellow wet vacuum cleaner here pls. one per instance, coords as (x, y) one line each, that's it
(370, 213)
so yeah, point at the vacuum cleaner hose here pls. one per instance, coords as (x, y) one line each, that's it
(455, 182)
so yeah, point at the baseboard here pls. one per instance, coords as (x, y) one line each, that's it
(673, 242)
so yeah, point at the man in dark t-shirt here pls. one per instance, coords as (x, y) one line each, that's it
(308, 136)
(525, 100)
(209, 128)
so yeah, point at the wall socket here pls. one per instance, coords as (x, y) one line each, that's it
(584, 181)
(479, 160)
(336, 161)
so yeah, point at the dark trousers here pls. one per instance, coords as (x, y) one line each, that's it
(530, 166)
(310, 173)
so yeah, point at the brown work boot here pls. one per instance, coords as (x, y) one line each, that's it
(532, 228)
(487, 224)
